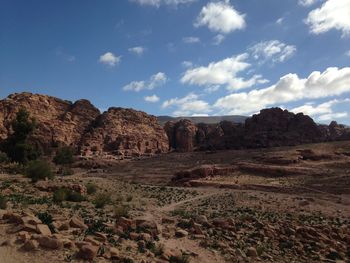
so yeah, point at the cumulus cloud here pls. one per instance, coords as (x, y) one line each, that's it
(109, 59)
(158, 3)
(191, 40)
(137, 50)
(189, 105)
(279, 21)
(220, 17)
(333, 14)
(323, 111)
(218, 39)
(223, 72)
(307, 2)
(272, 50)
(331, 82)
(155, 80)
(153, 99)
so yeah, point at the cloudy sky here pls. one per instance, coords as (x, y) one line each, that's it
(182, 57)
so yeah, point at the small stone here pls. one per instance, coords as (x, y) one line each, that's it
(168, 220)
(114, 252)
(43, 230)
(251, 252)
(181, 233)
(49, 242)
(31, 245)
(88, 252)
(92, 241)
(77, 223)
(24, 236)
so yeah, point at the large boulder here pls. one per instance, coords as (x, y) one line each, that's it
(125, 132)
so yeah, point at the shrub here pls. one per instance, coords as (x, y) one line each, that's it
(4, 158)
(121, 211)
(129, 198)
(102, 199)
(91, 188)
(60, 195)
(64, 156)
(38, 170)
(46, 219)
(3, 202)
(16, 146)
(64, 194)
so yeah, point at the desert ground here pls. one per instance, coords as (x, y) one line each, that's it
(288, 204)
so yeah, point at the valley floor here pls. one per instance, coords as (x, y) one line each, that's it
(289, 204)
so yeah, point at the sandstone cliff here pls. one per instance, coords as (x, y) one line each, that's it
(80, 125)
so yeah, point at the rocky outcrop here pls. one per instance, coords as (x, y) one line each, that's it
(270, 128)
(124, 132)
(277, 127)
(182, 135)
(59, 122)
(80, 125)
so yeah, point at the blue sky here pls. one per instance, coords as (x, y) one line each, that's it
(182, 57)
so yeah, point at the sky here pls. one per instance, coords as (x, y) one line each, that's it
(182, 57)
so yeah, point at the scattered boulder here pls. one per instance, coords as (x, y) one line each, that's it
(88, 252)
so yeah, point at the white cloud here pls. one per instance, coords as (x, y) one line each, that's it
(109, 59)
(347, 53)
(272, 50)
(158, 3)
(155, 80)
(333, 14)
(153, 99)
(307, 2)
(187, 64)
(188, 105)
(137, 50)
(218, 39)
(191, 40)
(331, 82)
(333, 116)
(220, 17)
(279, 21)
(223, 72)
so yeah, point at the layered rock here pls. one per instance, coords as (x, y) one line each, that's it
(182, 135)
(124, 132)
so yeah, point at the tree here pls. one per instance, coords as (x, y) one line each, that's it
(38, 170)
(64, 156)
(16, 146)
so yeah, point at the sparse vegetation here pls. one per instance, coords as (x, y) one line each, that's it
(91, 188)
(38, 170)
(64, 194)
(4, 158)
(121, 211)
(179, 259)
(102, 199)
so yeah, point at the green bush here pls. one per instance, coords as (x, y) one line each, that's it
(38, 170)
(91, 188)
(3, 202)
(16, 146)
(179, 259)
(102, 199)
(65, 171)
(64, 156)
(75, 197)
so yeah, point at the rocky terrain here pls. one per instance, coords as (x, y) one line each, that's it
(288, 204)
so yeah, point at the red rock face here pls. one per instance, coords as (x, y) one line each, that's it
(125, 132)
(59, 122)
(80, 125)
(182, 135)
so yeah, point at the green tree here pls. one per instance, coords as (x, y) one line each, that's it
(38, 170)
(16, 146)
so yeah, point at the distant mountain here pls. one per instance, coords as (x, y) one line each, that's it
(208, 120)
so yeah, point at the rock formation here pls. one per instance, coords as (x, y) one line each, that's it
(81, 126)
(125, 132)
